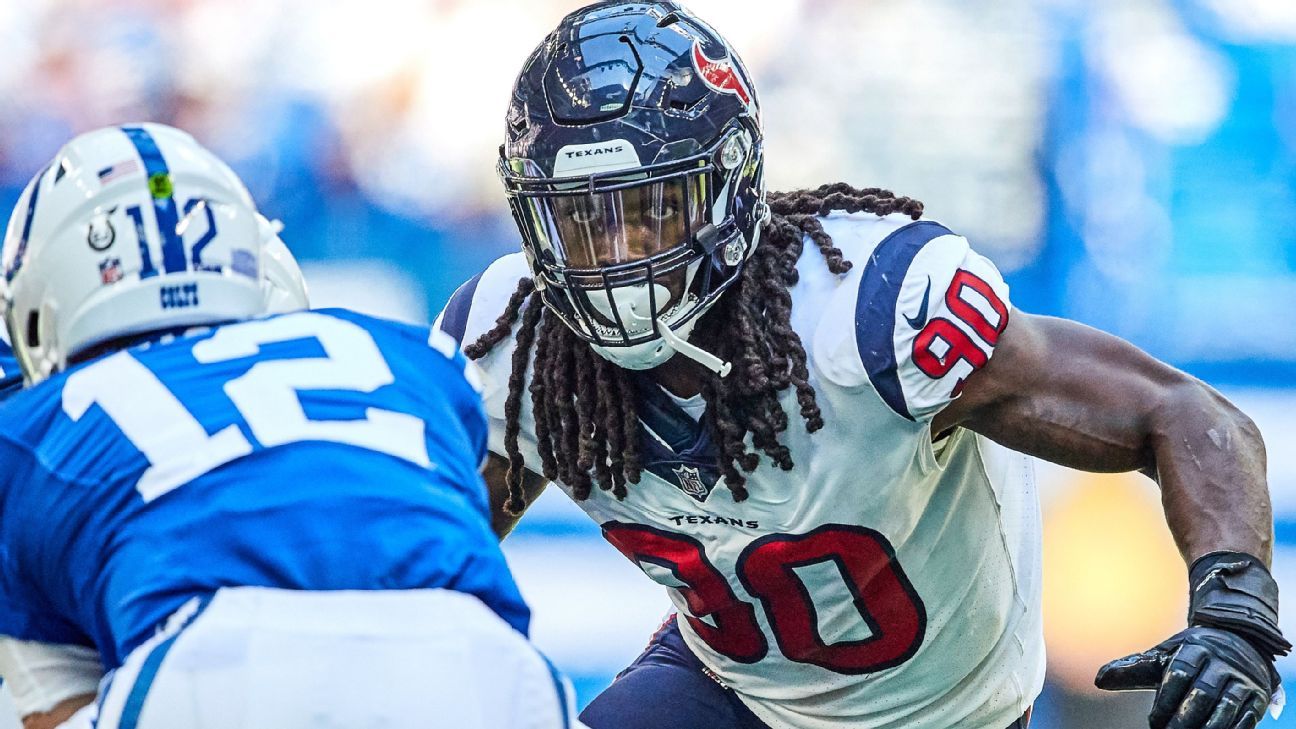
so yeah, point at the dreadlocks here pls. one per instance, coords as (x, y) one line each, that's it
(586, 418)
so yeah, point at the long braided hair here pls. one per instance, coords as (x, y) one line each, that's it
(586, 419)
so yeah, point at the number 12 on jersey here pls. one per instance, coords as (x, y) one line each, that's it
(267, 397)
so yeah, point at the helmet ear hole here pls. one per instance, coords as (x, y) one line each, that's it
(33, 328)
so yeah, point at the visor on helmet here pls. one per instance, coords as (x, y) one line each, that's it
(619, 248)
(610, 228)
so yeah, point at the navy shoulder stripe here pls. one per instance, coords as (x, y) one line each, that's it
(455, 320)
(875, 309)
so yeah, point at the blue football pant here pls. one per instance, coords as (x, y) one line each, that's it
(666, 687)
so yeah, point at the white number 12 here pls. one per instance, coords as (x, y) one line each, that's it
(178, 447)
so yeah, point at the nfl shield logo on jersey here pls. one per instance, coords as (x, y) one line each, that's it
(690, 482)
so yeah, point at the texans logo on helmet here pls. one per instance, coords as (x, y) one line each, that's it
(720, 75)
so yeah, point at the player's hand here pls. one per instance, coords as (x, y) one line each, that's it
(1205, 678)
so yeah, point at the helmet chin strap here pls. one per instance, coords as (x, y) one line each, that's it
(697, 354)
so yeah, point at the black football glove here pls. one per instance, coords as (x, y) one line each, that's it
(1219, 673)
(1206, 678)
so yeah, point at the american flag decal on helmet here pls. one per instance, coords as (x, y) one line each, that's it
(121, 169)
(720, 75)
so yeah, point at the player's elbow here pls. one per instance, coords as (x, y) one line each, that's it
(1190, 412)
(1248, 432)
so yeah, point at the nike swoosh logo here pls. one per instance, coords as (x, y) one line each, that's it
(918, 322)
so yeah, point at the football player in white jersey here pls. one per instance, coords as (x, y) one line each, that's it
(792, 411)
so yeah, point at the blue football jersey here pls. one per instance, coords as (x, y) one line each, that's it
(316, 451)
(11, 379)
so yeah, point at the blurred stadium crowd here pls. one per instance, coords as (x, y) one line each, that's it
(1129, 163)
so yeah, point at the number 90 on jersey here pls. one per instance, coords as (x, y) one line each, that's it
(768, 569)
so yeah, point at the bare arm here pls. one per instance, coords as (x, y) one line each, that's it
(494, 471)
(1073, 395)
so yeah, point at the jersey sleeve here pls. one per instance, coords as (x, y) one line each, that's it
(471, 411)
(11, 379)
(928, 312)
(472, 311)
(475, 306)
(26, 610)
(453, 319)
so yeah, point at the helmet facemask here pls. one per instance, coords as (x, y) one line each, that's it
(629, 256)
(633, 163)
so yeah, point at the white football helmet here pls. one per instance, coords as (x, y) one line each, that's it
(130, 230)
(282, 284)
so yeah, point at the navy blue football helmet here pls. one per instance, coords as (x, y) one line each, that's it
(633, 164)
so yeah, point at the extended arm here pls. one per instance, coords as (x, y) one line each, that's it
(1081, 398)
(1073, 395)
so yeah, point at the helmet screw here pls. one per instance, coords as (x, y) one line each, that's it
(733, 252)
(731, 155)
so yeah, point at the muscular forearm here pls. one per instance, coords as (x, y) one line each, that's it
(1209, 459)
(1076, 396)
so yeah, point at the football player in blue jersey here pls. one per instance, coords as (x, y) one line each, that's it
(51, 682)
(791, 411)
(253, 521)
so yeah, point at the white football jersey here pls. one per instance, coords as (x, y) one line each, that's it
(885, 581)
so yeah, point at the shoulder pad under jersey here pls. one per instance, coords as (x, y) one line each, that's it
(477, 304)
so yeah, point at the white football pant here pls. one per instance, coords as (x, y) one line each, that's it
(257, 658)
